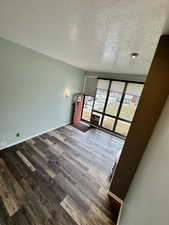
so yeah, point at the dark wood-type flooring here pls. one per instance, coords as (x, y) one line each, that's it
(58, 178)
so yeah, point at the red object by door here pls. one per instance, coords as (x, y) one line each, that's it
(78, 108)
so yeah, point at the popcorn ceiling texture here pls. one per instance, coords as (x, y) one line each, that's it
(93, 35)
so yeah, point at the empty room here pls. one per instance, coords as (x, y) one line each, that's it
(84, 112)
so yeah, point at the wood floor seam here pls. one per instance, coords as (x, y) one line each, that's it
(58, 178)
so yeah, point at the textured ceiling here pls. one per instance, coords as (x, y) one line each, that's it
(95, 35)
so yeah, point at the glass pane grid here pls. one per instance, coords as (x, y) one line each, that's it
(87, 111)
(103, 84)
(101, 89)
(114, 99)
(108, 122)
(131, 100)
(110, 116)
(97, 118)
(100, 100)
(113, 103)
(122, 127)
(88, 100)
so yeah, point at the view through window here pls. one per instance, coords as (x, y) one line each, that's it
(114, 106)
(87, 108)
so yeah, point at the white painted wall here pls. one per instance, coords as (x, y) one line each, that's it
(147, 202)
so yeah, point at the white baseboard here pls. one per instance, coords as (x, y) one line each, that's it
(38, 134)
(121, 203)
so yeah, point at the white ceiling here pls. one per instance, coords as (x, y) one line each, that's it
(95, 35)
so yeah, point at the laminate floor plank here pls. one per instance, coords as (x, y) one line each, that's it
(58, 178)
(4, 217)
(21, 218)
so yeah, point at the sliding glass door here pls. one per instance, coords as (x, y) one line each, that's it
(115, 104)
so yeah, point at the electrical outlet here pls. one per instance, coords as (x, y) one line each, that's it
(17, 134)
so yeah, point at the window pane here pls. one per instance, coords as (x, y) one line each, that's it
(131, 99)
(88, 100)
(108, 122)
(100, 100)
(122, 127)
(96, 118)
(114, 99)
(103, 84)
(87, 110)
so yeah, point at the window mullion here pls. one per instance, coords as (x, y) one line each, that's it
(105, 104)
(119, 109)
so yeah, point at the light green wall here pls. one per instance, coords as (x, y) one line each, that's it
(91, 80)
(32, 92)
(90, 84)
(147, 201)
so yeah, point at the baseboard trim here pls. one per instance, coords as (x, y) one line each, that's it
(25, 139)
(120, 202)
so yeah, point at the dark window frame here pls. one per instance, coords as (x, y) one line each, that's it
(117, 117)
